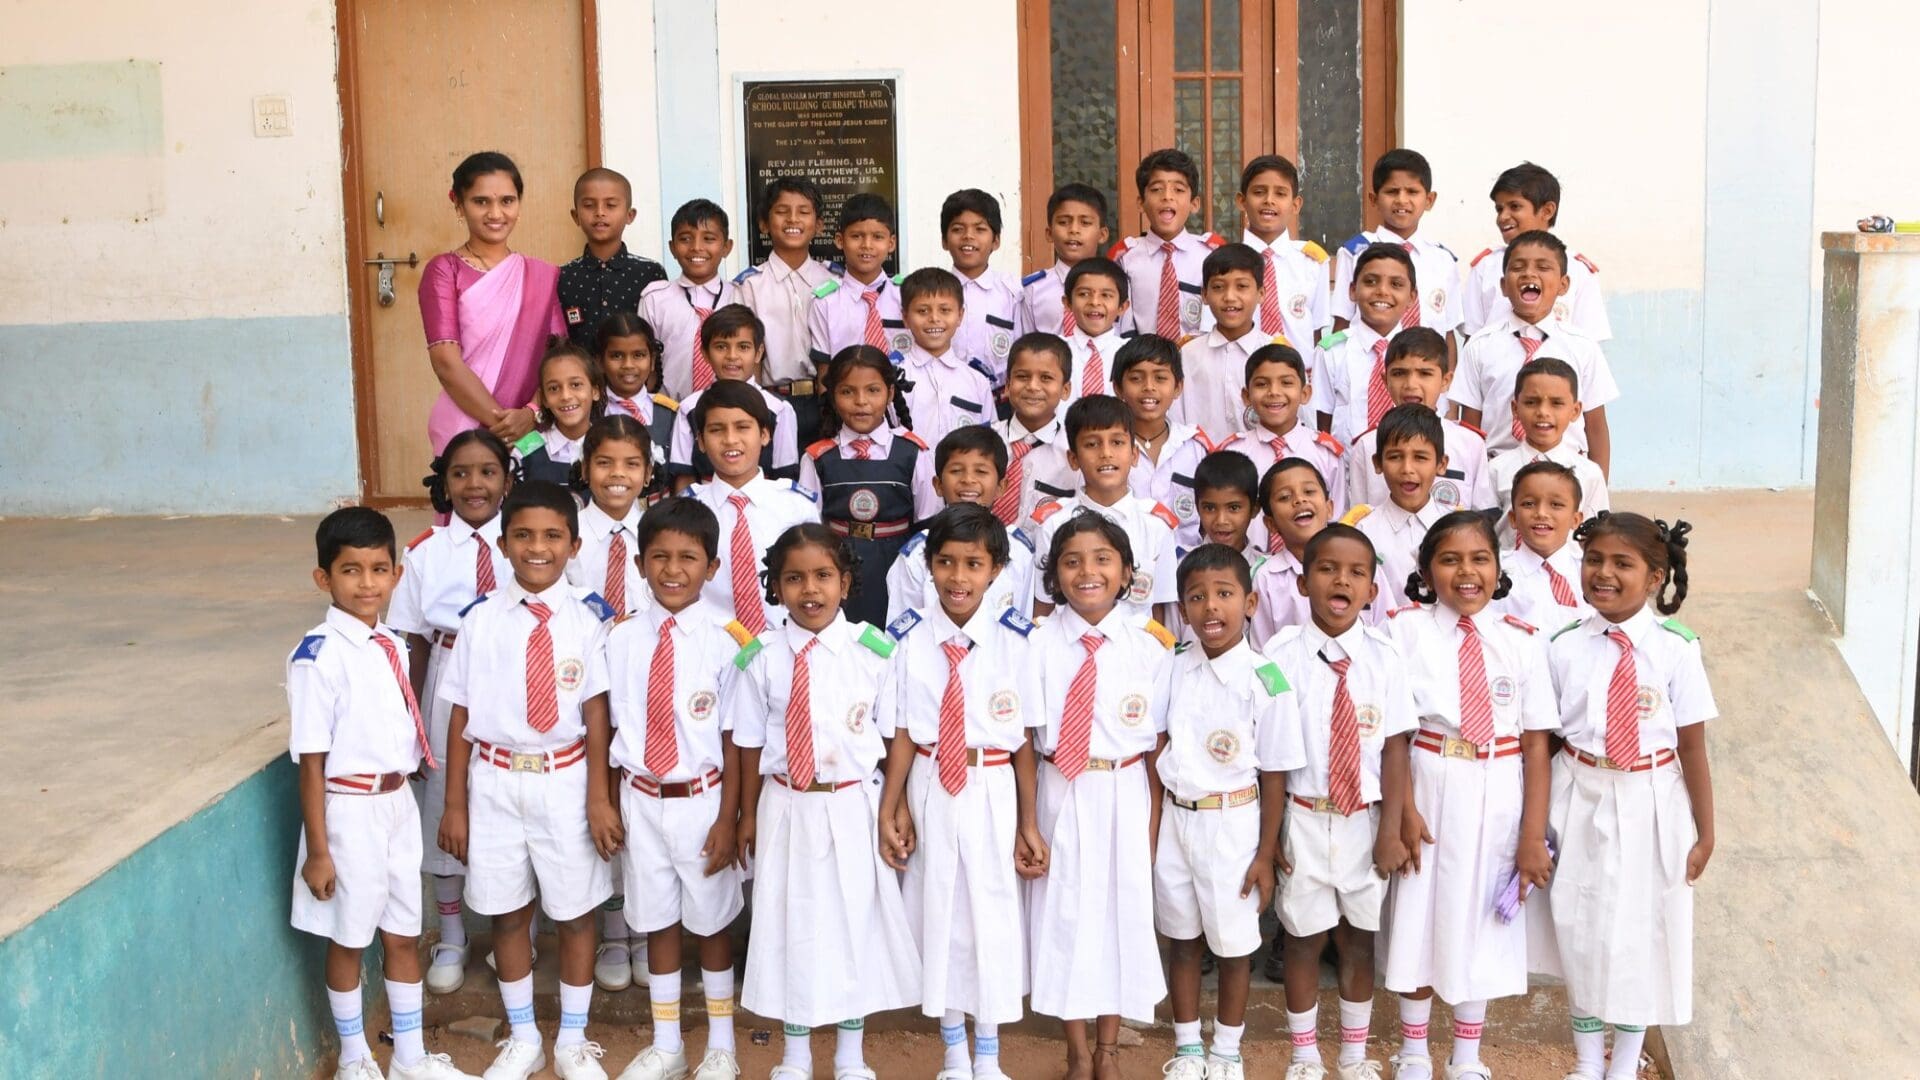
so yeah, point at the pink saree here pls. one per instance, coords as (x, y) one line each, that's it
(500, 319)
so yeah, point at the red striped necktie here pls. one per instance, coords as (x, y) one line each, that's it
(702, 367)
(799, 721)
(1623, 704)
(483, 582)
(1269, 294)
(662, 750)
(1410, 317)
(876, 334)
(1343, 744)
(1529, 346)
(1006, 505)
(543, 703)
(1377, 400)
(616, 584)
(1166, 320)
(1562, 592)
(740, 569)
(406, 691)
(951, 751)
(1476, 704)
(1071, 753)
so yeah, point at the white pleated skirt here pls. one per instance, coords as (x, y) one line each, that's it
(963, 896)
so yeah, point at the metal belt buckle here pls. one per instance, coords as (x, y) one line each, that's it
(1459, 748)
(1096, 764)
(860, 530)
(1324, 806)
(1601, 761)
(529, 763)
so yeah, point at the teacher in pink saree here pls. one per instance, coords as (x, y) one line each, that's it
(487, 309)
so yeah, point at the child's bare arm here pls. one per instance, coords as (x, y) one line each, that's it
(1693, 769)
(721, 849)
(418, 653)
(1471, 418)
(317, 871)
(453, 814)
(896, 825)
(1157, 792)
(749, 802)
(1533, 861)
(1030, 853)
(603, 815)
(1600, 441)
(1389, 848)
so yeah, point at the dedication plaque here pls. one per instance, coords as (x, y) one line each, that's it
(839, 133)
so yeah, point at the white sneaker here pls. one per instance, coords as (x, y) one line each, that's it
(857, 1072)
(431, 1067)
(446, 968)
(612, 971)
(717, 1065)
(358, 1069)
(1360, 1070)
(579, 1061)
(1472, 1070)
(954, 1074)
(1219, 1068)
(1185, 1067)
(656, 1064)
(1306, 1070)
(516, 1061)
(1412, 1067)
(784, 1071)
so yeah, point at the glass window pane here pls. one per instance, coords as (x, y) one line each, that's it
(1085, 99)
(1226, 35)
(1190, 128)
(1223, 178)
(1330, 120)
(1189, 35)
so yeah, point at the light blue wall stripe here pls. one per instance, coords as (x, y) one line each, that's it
(686, 42)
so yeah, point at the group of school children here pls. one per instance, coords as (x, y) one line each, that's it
(989, 631)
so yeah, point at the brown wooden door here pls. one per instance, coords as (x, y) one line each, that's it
(423, 84)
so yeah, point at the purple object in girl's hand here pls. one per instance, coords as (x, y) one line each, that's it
(1507, 904)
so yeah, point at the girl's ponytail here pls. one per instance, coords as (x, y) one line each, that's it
(1675, 538)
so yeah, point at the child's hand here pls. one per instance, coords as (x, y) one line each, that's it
(1280, 862)
(1697, 858)
(743, 835)
(603, 821)
(894, 846)
(720, 850)
(1259, 876)
(510, 424)
(1414, 834)
(1389, 853)
(453, 832)
(1535, 864)
(1030, 853)
(903, 826)
(317, 872)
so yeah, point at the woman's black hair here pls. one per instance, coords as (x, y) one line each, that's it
(1419, 588)
(436, 479)
(814, 534)
(967, 523)
(1664, 547)
(1085, 521)
(560, 348)
(613, 427)
(843, 364)
(628, 324)
(478, 165)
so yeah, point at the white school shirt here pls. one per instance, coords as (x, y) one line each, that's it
(587, 570)
(948, 392)
(1492, 359)
(839, 316)
(1085, 371)
(1342, 368)
(783, 451)
(1482, 302)
(1142, 257)
(926, 502)
(1043, 301)
(782, 296)
(669, 307)
(488, 670)
(345, 701)
(1673, 688)
(1169, 481)
(1300, 284)
(1229, 719)
(990, 677)
(1531, 597)
(1276, 583)
(1044, 472)
(1216, 373)
(441, 576)
(910, 579)
(1507, 464)
(1302, 441)
(1129, 712)
(1464, 485)
(1150, 530)
(1436, 273)
(987, 320)
(844, 675)
(1513, 651)
(1396, 536)
(1376, 682)
(703, 652)
(773, 507)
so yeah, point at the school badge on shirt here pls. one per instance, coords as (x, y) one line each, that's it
(1133, 710)
(700, 705)
(1503, 689)
(1142, 588)
(1367, 719)
(1224, 746)
(569, 673)
(857, 717)
(1004, 707)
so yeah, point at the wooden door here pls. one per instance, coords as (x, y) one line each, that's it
(424, 83)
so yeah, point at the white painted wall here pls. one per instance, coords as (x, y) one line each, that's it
(629, 121)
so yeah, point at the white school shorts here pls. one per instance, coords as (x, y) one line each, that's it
(375, 844)
(524, 827)
(1202, 862)
(1333, 878)
(661, 867)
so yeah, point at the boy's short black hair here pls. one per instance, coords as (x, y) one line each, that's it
(730, 394)
(352, 527)
(1212, 556)
(1096, 412)
(867, 206)
(1543, 467)
(1147, 349)
(1401, 159)
(1081, 520)
(540, 495)
(1546, 365)
(1097, 265)
(1270, 163)
(1230, 257)
(1277, 352)
(1271, 478)
(1167, 160)
(602, 173)
(698, 212)
(1045, 344)
(1532, 183)
(1422, 341)
(688, 517)
(1227, 470)
(731, 319)
(1080, 193)
(1392, 253)
(931, 281)
(971, 438)
(1333, 531)
(1540, 238)
(1405, 423)
(975, 200)
(968, 523)
(785, 185)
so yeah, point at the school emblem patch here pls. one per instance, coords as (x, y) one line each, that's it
(569, 674)
(1000, 343)
(864, 504)
(901, 341)
(1190, 311)
(1004, 707)
(700, 705)
(1367, 719)
(1647, 700)
(1437, 301)
(857, 717)
(1297, 306)
(1133, 710)
(1224, 746)
(1446, 493)
(1142, 588)
(1560, 310)
(1183, 504)
(1502, 689)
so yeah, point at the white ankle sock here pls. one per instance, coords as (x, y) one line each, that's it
(953, 1036)
(986, 1048)
(1414, 1017)
(847, 1048)
(403, 1002)
(1469, 1020)
(1226, 1040)
(575, 1001)
(517, 996)
(1627, 1042)
(797, 1051)
(1186, 1039)
(1589, 1045)
(719, 990)
(1305, 1029)
(1356, 1018)
(663, 994)
(345, 1005)
(446, 896)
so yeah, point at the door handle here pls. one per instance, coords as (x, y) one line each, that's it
(380, 208)
(386, 266)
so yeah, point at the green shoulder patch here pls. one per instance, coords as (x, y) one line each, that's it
(1272, 679)
(1564, 629)
(529, 442)
(826, 289)
(747, 652)
(1333, 339)
(872, 638)
(1181, 649)
(1678, 627)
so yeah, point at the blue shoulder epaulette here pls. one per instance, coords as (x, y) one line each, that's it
(310, 647)
(1020, 534)
(477, 601)
(1355, 244)
(745, 274)
(913, 542)
(600, 608)
(904, 625)
(1033, 277)
(1016, 622)
(980, 366)
(795, 485)
(897, 357)
(836, 267)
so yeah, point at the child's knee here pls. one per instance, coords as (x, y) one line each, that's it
(1355, 943)
(579, 924)
(1185, 950)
